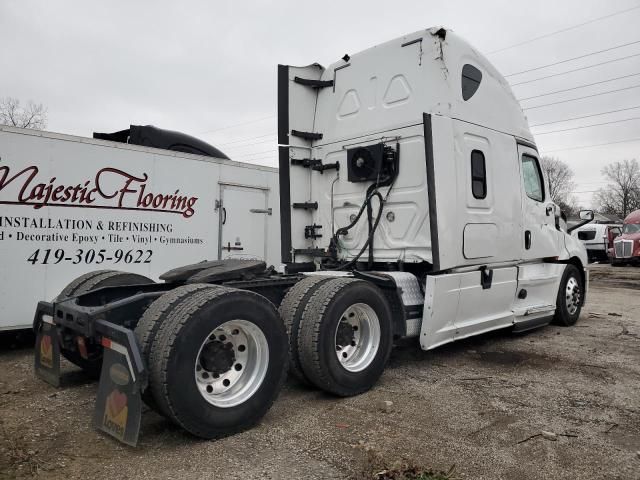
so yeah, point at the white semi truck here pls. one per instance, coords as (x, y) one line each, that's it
(70, 205)
(412, 204)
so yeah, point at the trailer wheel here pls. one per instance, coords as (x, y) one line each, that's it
(149, 324)
(345, 336)
(570, 297)
(218, 361)
(291, 310)
(84, 283)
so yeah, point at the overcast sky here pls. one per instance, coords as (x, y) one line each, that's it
(202, 66)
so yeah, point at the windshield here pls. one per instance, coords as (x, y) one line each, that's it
(631, 228)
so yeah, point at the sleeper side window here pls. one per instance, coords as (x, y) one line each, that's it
(478, 175)
(471, 78)
(532, 174)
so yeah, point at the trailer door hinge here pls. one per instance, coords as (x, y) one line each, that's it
(310, 231)
(313, 83)
(306, 205)
(306, 135)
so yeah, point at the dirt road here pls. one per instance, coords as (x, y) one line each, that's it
(479, 404)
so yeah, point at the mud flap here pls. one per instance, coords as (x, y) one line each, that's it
(118, 408)
(47, 348)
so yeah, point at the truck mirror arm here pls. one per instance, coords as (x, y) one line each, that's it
(580, 224)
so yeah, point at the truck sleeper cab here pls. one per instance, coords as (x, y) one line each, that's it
(412, 204)
(467, 212)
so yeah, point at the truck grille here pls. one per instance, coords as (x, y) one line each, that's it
(623, 248)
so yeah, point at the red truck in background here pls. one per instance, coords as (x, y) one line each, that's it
(626, 247)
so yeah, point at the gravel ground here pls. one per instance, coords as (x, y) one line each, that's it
(479, 405)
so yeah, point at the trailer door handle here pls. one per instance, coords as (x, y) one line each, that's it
(527, 239)
(268, 211)
(228, 248)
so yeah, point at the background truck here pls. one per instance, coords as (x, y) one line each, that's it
(626, 247)
(412, 204)
(598, 239)
(71, 205)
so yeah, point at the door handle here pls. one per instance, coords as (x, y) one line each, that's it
(224, 215)
(228, 248)
(527, 239)
(268, 211)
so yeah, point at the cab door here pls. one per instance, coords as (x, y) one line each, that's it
(540, 238)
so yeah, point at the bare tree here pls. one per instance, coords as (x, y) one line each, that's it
(622, 194)
(32, 115)
(560, 181)
(570, 206)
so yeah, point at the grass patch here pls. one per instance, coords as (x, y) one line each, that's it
(413, 473)
(376, 467)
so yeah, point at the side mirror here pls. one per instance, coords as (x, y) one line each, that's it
(586, 215)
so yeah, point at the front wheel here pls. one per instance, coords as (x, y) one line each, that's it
(570, 297)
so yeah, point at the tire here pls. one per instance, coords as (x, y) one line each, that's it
(570, 297)
(326, 318)
(83, 284)
(78, 283)
(179, 375)
(149, 325)
(290, 311)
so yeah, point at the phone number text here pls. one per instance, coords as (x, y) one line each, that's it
(54, 256)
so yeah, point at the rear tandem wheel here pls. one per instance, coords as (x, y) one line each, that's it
(291, 309)
(345, 336)
(218, 360)
(92, 365)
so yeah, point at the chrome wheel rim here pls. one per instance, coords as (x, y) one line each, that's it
(231, 363)
(357, 337)
(572, 295)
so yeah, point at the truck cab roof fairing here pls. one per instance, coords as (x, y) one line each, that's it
(150, 136)
(633, 217)
(397, 73)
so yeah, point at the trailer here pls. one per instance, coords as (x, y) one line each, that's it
(412, 205)
(143, 200)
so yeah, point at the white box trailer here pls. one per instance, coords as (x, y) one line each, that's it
(70, 205)
(412, 204)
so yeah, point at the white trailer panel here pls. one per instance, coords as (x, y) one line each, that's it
(70, 205)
